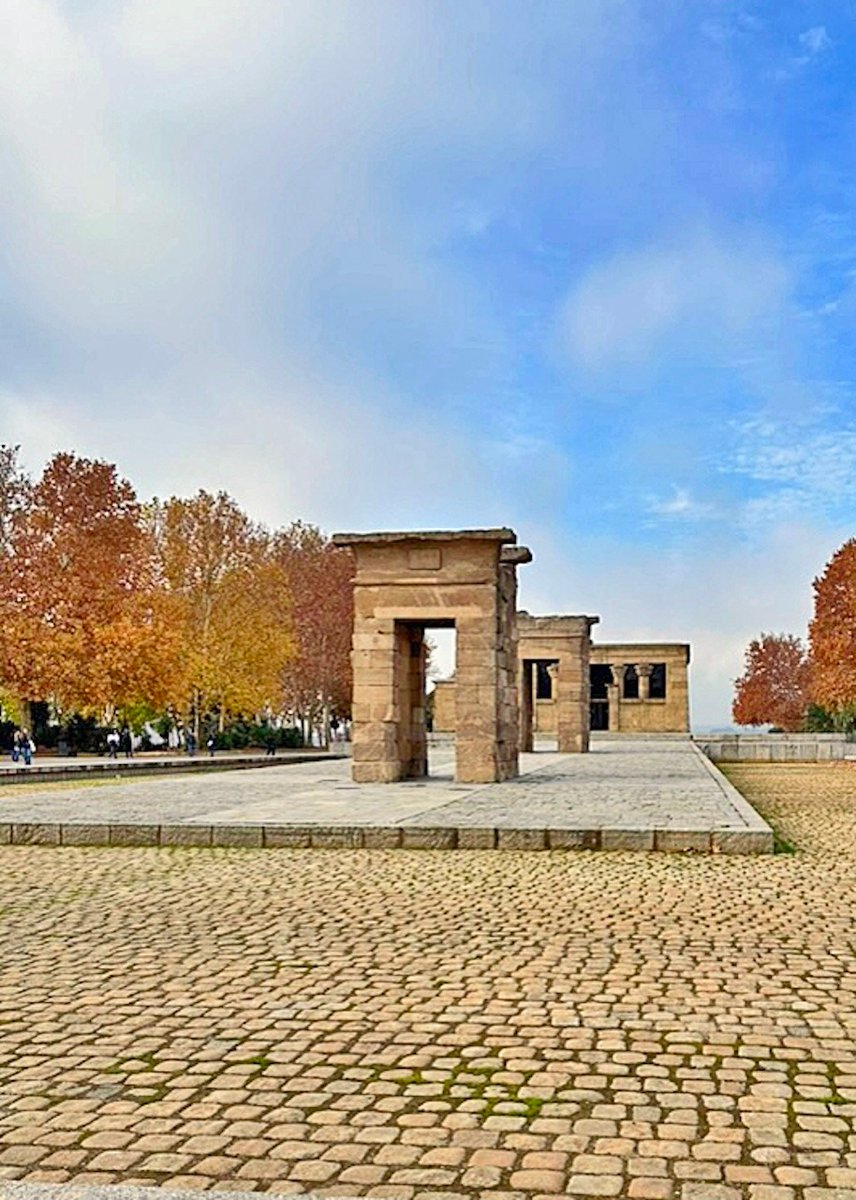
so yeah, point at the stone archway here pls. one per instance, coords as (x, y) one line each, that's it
(404, 583)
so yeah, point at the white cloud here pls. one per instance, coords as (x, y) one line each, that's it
(696, 284)
(805, 464)
(680, 505)
(816, 39)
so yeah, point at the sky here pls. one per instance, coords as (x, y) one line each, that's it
(585, 268)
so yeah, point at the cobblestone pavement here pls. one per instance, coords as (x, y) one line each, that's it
(632, 785)
(419, 1025)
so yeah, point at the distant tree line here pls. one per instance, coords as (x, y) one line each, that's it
(181, 612)
(796, 685)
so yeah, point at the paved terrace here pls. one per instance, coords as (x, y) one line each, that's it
(626, 794)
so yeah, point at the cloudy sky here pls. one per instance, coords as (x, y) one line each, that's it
(584, 267)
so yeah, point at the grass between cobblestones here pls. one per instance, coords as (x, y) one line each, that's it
(422, 1024)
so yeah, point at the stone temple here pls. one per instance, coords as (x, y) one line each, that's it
(516, 675)
(634, 687)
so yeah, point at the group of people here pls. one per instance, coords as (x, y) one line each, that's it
(23, 747)
(120, 741)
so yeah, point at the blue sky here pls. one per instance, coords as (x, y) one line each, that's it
(586, 268)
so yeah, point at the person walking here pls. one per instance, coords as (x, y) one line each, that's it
(22, 747)
(113, 744)
(126, 742)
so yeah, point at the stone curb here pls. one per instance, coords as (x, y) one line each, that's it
(16, 1190)
(189, 766)
(755, 840)
(754, 823)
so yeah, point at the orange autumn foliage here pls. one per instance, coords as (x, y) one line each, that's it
(82, 619)
(774, 686)
(232, 604)
(318, 678)
(832, 632)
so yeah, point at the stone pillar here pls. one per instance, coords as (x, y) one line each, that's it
(377, 692)
(478, 699)
(643, 670)
(614, 690)
(410, 662)
(508, 727)
(571, 690)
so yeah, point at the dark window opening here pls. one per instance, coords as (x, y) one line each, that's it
(631, 683)
(543, 681)
(600, 677)
(657, 686)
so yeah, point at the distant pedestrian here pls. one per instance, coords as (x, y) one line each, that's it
(113, 744)
(126, 742)
(22, 747)
(270, 743)
(211, 744)
(190, 742)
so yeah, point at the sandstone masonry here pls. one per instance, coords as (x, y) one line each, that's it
(404, 583)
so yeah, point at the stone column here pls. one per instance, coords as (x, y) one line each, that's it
(614, 693)
(643, 670)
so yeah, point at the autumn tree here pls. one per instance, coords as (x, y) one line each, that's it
(82, 621)
(14, 492)
(774, 687)
(318, 679)
(232, 596)
(832, 635)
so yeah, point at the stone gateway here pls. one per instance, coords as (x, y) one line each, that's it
(406, 583)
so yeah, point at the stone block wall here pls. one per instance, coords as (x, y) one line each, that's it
(444, 706)
(776, 747)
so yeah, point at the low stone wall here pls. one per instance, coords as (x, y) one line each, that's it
(776, 747)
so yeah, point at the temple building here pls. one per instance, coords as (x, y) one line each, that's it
(634, 687)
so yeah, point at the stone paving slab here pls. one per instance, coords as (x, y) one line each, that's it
(639, 794)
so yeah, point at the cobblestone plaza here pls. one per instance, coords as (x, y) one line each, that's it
(424, 1024)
